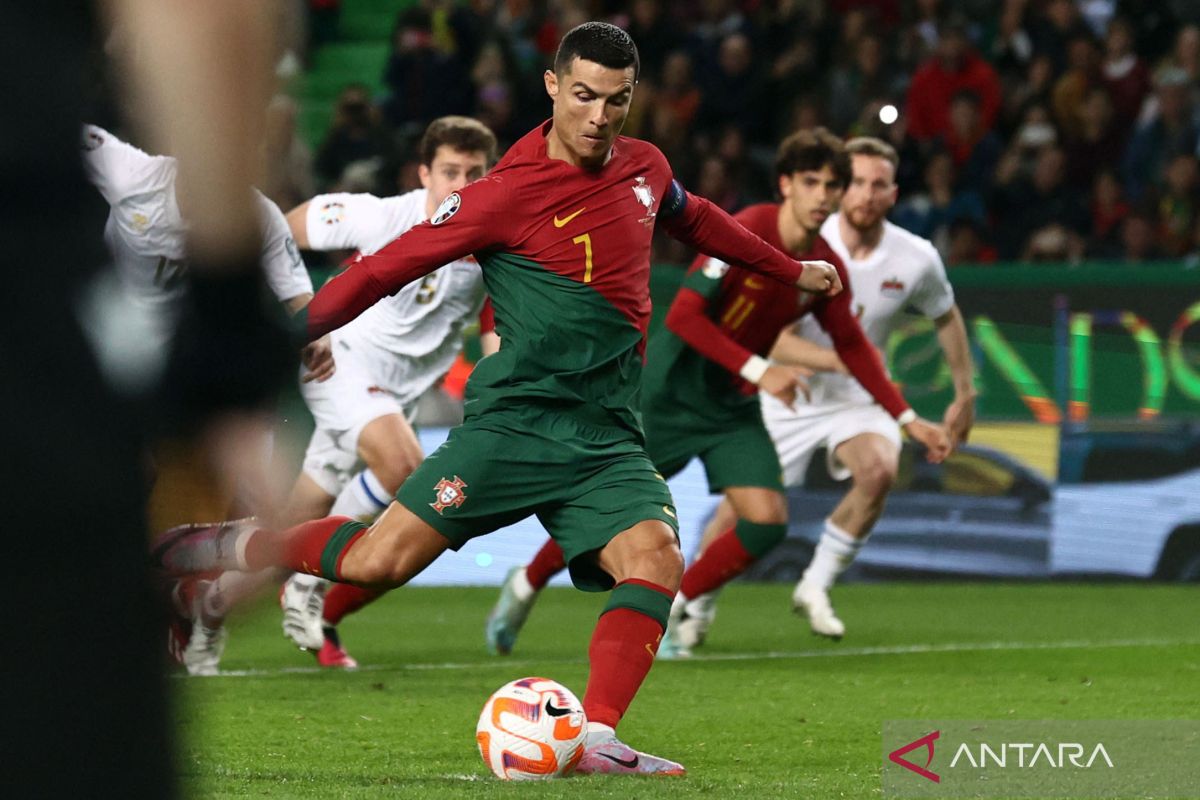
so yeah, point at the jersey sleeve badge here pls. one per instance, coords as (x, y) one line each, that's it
(447, 209)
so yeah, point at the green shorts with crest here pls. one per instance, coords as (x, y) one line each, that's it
(586, 481)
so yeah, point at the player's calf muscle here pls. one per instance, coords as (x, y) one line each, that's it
(398, 546)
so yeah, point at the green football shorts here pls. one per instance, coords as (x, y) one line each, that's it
(734, 446)
(585, 482)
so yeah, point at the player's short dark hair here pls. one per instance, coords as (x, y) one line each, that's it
(605, 44)
(464, 134)
(810, 151)
(870, 146)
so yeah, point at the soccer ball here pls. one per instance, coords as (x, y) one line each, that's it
(531, 729)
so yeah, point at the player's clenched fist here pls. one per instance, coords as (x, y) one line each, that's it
(819, 277)
(934, 437)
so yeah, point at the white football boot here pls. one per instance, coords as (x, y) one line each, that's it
(813, 601)
(698, 616)
(303, 603)
(204, 648)
(672, 647)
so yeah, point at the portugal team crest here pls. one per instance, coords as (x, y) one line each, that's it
(645, 196)
(449, 493)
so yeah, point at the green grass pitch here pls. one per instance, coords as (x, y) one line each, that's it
(767, 710)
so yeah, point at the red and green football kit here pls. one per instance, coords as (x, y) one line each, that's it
(551, 427)
(696, 403)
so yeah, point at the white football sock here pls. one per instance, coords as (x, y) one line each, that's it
(521, 587)
(835, 552)
(363, 498)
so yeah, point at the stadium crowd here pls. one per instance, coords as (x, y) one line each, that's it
(1041, 130)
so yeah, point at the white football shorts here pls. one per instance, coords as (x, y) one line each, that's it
(361, 390)
(798, 432)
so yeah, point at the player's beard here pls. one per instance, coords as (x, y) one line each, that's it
(862, 219)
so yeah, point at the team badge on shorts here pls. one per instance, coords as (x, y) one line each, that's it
(449, 493)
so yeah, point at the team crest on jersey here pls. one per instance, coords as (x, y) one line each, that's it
(447, 209)
(645, 196)
(332, 213)
(449, 493)
(715, 269)
(892, 285)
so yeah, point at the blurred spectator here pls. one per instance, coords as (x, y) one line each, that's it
(288, 178)
(678, 103)
(852, 85)
(1125, 75)
(1109, 210)
(425, 78)
(1169, 131)
(1096, 142)
(1177, 206)
(1153, 23)
(1054, 28)
(1138, 240)
(1070, 91)
(1054, 242)
(714, 183)
(654, 34)
(734, 91)
(1031, 210)
(968, 245)
(356, 134)
(955, 67)
(975, 149)
(1031, 88)
(932, 212)
(1185, 55)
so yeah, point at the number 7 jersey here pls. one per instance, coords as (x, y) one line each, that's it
(565, 254)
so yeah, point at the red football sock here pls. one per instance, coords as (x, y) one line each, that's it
(547, 563)
(346, 598)
(314, 548)
(622, 651)
(723, 560)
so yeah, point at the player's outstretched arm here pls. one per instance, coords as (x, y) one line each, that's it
(952, 336)
(790, 348)
(706, 227)
(688, 318)
(467, 222)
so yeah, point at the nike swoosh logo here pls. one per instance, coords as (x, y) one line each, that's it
(554, 711)
(558, 223)
(626, 763)
(753, 283)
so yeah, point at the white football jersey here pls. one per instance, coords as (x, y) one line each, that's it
(424, 321)
(904, 271)
(146, 234)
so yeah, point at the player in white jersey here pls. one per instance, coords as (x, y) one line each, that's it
(146, 234)
(363, 446)
(890, 270)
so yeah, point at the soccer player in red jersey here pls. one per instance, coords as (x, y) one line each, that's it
(705, 370)
(562, 229)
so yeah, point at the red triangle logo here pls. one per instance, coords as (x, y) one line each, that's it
(896, 756)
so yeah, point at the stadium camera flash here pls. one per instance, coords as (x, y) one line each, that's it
(888, 114)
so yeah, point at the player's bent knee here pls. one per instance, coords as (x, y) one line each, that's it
(876, 478)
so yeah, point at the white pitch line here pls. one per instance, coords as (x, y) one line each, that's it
(832, 652)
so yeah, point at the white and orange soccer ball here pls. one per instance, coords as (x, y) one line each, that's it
(531, 729)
